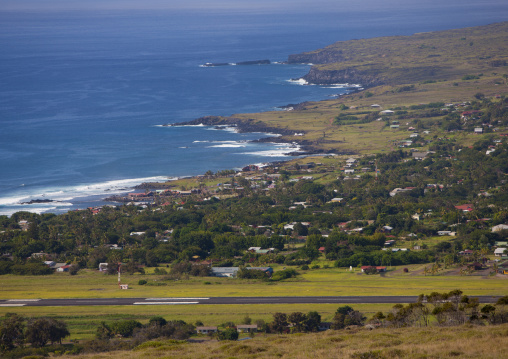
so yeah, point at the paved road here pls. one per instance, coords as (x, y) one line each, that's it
(217, 300)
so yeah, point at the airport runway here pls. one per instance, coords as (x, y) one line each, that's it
(217, 300)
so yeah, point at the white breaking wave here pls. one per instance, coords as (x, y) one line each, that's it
(223, 128)
(298, 81)
(64, 196)
(226, 145)
(342, 86)
(199, 125)
(277, 152)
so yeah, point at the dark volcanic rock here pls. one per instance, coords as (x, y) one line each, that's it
(210, 64)
(242, 125)
(255, 62)
(350, 75)
(34, 201)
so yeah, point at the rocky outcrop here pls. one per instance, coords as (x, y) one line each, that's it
(317, 57)
(252, 62)
(242, 125)
(349, 75)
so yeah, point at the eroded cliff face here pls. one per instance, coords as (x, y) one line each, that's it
(320, 57)
(396, 60)
(322, 76)
(348, 75)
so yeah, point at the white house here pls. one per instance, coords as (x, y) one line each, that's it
(499, 227)
(500, 252)
(206, 330)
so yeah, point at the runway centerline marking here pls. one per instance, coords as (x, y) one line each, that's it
(163, 303)
(160, 299)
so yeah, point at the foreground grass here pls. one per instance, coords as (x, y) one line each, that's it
(319, 282)
(456, 342)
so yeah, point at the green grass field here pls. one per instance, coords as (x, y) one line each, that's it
(317, 282)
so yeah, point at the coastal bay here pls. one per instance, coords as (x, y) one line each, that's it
(86, 121)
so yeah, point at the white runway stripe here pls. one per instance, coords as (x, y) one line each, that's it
(176, 299)
(163, 303)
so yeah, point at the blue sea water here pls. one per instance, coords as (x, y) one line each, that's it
(83, 94)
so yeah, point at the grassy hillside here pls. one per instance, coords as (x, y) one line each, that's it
(396, 60)
(435, 342)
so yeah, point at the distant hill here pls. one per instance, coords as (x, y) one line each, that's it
(396, 60)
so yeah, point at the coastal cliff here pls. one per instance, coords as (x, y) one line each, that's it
(396, 60)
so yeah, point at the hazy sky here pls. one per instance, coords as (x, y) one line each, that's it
(247, 5)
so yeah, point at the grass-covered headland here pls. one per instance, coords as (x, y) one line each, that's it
(405, 193)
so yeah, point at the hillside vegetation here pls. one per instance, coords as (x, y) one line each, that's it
(395, 60)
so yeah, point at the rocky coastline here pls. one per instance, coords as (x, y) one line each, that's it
(251, 125)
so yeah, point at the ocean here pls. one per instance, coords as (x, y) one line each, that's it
(84, 93)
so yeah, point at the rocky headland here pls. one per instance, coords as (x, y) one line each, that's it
(396, 60)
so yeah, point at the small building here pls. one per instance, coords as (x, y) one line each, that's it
(228, 272)
(379, 269)
(324, 326)
(499, 228)
(247, 328)
(478, 130)
(444, 233)
(336, 200)
(467, 252)
(501, 252)
(64, 268)
(206, 330)
(468, 207)
(419, 155)
(386, 229)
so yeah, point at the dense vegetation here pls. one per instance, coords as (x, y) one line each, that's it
(222, 230)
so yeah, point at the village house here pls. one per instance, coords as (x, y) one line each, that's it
(419, 155)
(499, 228)
(247, 328)
(228, 272)
(465, 207)
(64, 268)
(467, 252)
(324, 326)
(501, 252)
(445, 233)
(206, 330)
(379, 269)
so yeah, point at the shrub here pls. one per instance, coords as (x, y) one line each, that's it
(228, 334)
(284, 274)
(125, 328)
(142, 282)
